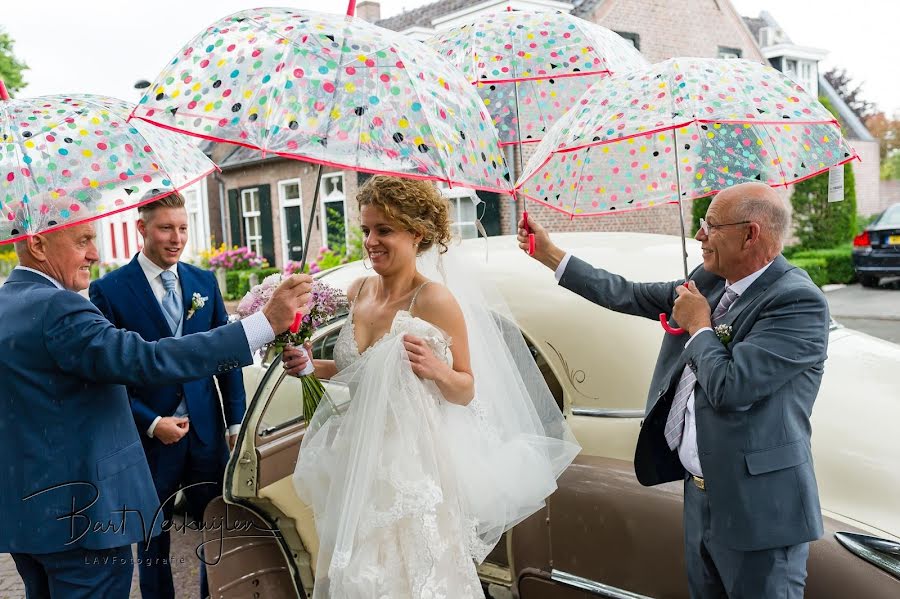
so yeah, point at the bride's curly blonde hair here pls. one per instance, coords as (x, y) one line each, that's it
(415, 205)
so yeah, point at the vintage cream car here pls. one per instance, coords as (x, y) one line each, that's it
(601, 534)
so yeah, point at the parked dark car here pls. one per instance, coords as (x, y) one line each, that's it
(876, 251)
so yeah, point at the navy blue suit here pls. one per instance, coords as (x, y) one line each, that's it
(75, 479)
(196, 462)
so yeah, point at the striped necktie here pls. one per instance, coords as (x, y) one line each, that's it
(675, 421)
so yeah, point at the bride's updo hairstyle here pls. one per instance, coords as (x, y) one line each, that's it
(415, 205)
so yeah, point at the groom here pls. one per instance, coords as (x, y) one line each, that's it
(180, 425)
(728, 410)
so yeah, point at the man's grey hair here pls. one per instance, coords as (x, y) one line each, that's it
(770, 212)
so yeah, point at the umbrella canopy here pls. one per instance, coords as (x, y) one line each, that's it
(681, 129)
(530, 67)
(330, 89)
(72, 159)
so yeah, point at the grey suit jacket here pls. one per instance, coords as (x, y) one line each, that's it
(753, 398)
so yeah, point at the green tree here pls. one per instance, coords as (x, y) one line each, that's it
(10, 67)
(819, 224)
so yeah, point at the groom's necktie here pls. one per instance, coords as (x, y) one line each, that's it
(171, 301)
(675, 422)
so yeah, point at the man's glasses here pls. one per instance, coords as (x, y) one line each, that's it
(705, 226)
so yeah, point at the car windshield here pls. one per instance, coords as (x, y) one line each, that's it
(890, 218)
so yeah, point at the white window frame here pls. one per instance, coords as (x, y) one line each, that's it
(254, 242)
(455, 196)
(197, 238)
(286, 202)
(329, 198)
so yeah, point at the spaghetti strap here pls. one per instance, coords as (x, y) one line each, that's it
(358, 292)
(415, 295)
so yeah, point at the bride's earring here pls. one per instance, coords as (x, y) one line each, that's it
(368, 266)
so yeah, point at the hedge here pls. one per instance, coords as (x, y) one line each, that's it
(838, 263)
(816, 268)
(237, 282)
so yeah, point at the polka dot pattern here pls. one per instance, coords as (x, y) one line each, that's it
(331, 89)
(548, 59)
(71, 159)
(697, 124)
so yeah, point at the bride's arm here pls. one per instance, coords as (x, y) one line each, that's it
(438, 306)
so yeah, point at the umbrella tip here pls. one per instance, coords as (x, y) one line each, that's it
(4, 95)
(351, 8)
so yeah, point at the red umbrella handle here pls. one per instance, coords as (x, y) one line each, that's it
(298, 320)
(351, 8)
(664, 321)
(530, 234)
(4, 95)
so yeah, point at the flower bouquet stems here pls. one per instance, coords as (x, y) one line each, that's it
(313, 391)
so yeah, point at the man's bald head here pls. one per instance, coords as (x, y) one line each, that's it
(758, 203)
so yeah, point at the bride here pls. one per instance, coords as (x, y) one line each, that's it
(450, 435)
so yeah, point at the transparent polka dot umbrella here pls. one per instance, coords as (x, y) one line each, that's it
(530, 67)
(330, 89)
(681, 129)
(72, 159)
(678, 130)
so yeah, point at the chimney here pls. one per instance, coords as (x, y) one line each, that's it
(369, 11)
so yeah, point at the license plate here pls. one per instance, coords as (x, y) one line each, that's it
(893, 240)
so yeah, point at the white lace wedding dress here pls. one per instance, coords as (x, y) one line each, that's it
(408, 490)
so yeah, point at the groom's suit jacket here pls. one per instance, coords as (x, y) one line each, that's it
(126, 299)
(70, 456)
(753, 398)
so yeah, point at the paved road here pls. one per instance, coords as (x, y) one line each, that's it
(185, 569)
(873, 311)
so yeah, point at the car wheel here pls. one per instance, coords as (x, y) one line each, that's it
(868, 281)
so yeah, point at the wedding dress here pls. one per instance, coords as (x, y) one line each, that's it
(410, 491)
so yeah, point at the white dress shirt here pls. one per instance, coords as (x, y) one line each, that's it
(687, 451)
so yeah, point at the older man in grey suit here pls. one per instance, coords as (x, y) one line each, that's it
(729, 408)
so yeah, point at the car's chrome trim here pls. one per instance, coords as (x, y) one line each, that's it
(591, 586)
(607, 413)
(882, 553)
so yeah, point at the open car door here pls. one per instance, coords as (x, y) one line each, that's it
(266, 546)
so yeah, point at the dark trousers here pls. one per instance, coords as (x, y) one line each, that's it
(77, 574)
(198, 469)
(714, 570)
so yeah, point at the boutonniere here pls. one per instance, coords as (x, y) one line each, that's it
(723, 332)
(197, 302)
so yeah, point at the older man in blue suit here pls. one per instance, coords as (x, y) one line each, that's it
(77, 489)
(729, 408)
(157, 296)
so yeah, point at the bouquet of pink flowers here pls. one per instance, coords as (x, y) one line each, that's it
(325, 304)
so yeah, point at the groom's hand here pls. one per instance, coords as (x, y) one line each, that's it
(171, 429)
(292, 296)
(544, 251)
(691, 310)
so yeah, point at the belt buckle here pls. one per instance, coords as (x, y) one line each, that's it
(699, 482)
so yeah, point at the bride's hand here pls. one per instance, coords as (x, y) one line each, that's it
(423, 361)
(293, 360)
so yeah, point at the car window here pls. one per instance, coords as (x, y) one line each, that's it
(284, 399)
(890, 217)
(540, 359)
